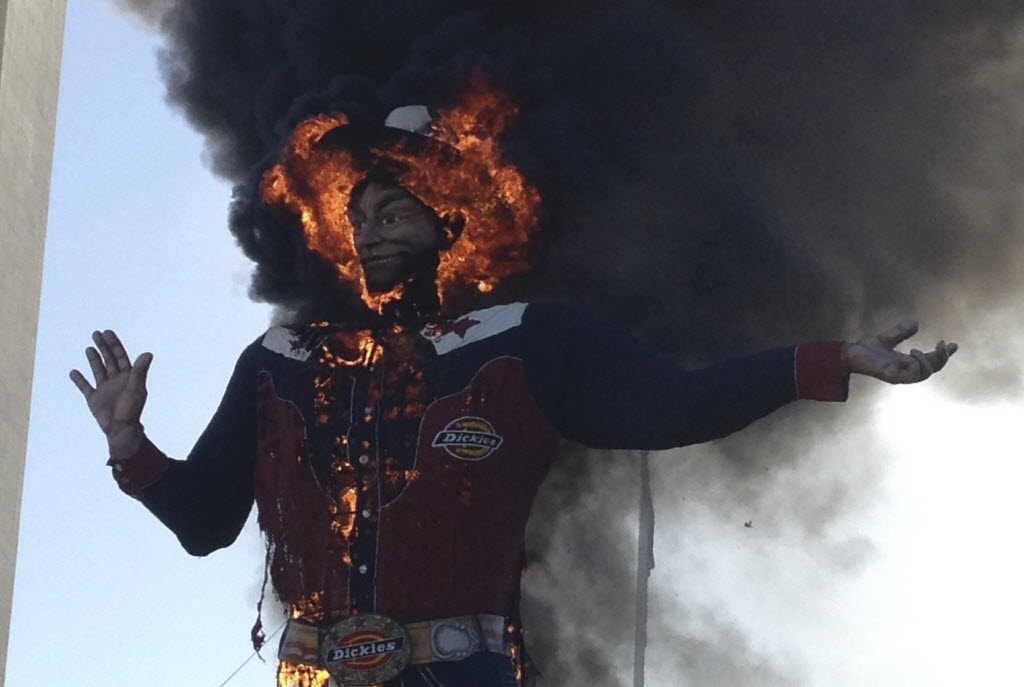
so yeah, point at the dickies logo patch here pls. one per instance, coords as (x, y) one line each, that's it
(365, 650)
(468, 438)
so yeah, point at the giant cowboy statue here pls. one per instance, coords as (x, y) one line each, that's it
(394, 454)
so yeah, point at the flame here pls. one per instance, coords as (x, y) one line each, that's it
(346, 520)
(370, 353)
(459, 173)
(309, 608)
(517, 661)
(296, 675)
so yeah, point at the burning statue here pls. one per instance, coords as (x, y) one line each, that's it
(394, 455)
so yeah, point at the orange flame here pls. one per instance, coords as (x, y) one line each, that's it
(370, 353)
(297, 675)
(345, 518)
(460, 175)
(310, 607)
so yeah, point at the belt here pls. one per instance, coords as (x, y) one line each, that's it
(429, 641)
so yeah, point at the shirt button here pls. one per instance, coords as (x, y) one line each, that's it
(363, 568)
(364, 459)
(366, 513)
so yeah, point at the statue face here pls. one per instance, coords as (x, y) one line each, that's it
(397, 236)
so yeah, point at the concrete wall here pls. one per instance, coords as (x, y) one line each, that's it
(31, 36)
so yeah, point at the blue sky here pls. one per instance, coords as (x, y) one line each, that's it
(137, 242)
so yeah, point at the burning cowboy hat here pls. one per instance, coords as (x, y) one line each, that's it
(375, 146)
(451, 161)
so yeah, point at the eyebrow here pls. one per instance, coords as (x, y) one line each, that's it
(391, 197)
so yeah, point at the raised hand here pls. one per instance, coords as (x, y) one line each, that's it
(120, 392)
(876, 356)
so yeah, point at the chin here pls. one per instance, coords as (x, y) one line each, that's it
(381, 278)
(380, 283)
(379, 287)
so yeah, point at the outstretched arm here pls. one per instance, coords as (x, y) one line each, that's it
(601, 387)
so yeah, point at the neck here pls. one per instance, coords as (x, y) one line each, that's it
(418, 304)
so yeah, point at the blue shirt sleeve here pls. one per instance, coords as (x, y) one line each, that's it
(603, 388)
(205, 499)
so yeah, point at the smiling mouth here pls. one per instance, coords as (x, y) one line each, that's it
(381, 260)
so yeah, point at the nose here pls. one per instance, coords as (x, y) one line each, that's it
(367, 234)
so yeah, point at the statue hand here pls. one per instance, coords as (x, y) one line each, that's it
(120, 393)
(876, 356)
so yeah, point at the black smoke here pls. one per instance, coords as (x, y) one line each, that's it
(719, 175)
(750, 171)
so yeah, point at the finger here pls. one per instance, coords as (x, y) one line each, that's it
(901, 332)
(99, 372)
(108, 356)
(139, 371)
(120, 355)
(83, 385)
(938, 358)
(924, 367)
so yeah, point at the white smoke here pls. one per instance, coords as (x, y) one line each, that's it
(148, 12)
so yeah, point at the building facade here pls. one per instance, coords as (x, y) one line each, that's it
(31, 37)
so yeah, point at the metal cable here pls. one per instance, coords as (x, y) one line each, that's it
(251, 656)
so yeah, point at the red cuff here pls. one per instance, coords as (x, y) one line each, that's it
(142, 469)
(819, 372)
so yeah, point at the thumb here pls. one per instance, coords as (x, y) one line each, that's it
(140, 369)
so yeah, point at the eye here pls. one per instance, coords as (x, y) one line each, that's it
(388, 219)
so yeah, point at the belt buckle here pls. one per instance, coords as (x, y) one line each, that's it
(451, 640)
(365, 649)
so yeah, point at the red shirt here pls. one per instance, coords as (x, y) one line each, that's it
(394, 470)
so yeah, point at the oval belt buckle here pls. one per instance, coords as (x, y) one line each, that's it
(453, 641)
(365, 650)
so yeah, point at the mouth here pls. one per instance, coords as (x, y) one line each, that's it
(381, 260)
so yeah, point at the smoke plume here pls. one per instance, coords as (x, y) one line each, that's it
(150, 12)
(719, 175)
(750, 173)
